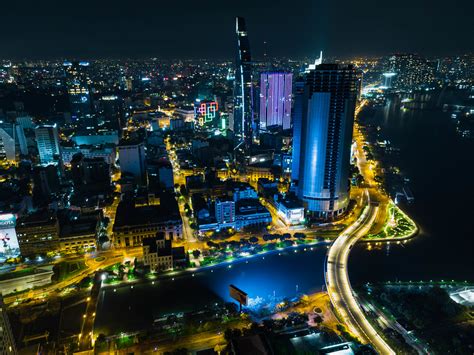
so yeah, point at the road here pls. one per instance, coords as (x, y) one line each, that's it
(94, 262)
(338, 284)
(393, 324)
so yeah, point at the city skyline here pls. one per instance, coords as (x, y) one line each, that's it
(253, 205)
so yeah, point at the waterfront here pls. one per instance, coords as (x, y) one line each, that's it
(440, 165)
(265, 278)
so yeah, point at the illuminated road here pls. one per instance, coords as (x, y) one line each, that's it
(338, 284)
(94, 262)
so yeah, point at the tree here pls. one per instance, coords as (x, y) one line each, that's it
(253, 239)
(196, 253)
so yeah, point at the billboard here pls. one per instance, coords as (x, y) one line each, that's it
(206, 111)
(8, 241)
(238, 295)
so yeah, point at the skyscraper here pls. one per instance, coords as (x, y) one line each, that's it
(244, 126)
(275, 99)
(112, 110)
(297, 122)
(80, 101)
(47, 140)
(132, 161)
(327, 119)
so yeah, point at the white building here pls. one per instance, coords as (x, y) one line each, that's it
(47, 140)
(290, 211)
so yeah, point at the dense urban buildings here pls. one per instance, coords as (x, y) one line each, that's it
(176, 205)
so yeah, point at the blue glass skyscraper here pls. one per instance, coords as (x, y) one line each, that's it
(327, 120)
(297, 122)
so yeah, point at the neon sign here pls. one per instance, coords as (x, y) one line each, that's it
(206, 111)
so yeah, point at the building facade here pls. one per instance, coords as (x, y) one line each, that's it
(38, 233)
(275, 99)
(47, 140)
(326, 136)
(132, 161)
(135, 224)
(244, 125)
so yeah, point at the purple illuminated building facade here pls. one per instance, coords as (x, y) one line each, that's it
(275, 99)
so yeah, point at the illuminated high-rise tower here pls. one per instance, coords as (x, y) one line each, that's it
(327, 118)
(244, 126)
(275, 99)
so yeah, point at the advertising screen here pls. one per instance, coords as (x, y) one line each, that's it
(8, 241)
(238, 295)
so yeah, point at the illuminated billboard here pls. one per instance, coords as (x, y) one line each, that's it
(238, 295)
(8, 241)
(206, 111)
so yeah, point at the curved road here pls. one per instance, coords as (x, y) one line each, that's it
(338, 284)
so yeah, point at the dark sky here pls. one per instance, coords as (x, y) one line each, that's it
(197, 29)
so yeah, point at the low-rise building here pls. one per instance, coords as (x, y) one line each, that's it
(258, 171)
(251, 213)
(79, 233)
(159, 254)
(135, 224)
(290, 210)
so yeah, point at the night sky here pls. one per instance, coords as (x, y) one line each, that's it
(205, 29)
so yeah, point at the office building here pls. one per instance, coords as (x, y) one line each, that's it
(250, 212)
(244, 125)
(38, 233)
(90, 173)
(289, 210)
(98, 138)
(25, 121)
(132, 161)
(46, 180)
(47, 141)
(297, 122)
(112, 111)
(225, 211)
(275, 99)
(326, 136)
(133, 224)
(7, 342)
(107, 152)
(80, 103)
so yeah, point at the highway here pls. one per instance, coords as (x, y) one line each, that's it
(338, 284)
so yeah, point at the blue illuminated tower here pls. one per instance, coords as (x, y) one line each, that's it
(297, 122)
(327, 120)
(243, 102)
